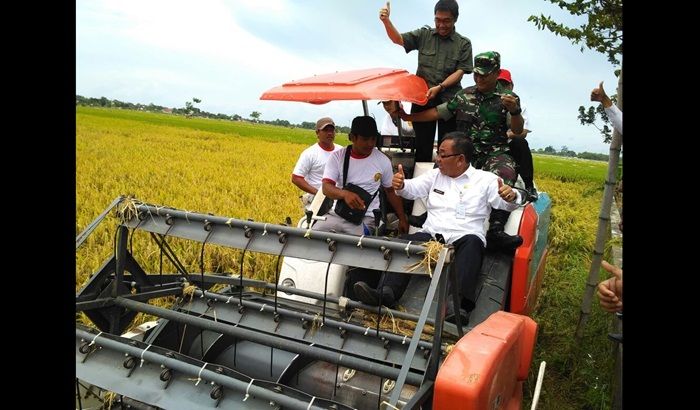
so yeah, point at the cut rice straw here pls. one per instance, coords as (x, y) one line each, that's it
(430, 257)
(126, 210)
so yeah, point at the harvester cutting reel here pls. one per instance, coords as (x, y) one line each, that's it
(243, 346)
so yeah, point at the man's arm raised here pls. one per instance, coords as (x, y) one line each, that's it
(391, 31)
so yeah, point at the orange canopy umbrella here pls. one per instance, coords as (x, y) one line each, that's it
(368, 84)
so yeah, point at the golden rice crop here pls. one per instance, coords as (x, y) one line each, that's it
(243, 171)
(188, 169)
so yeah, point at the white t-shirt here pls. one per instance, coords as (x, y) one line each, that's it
(475, 189)
(311, 163)
(389, 128)
(367, 173)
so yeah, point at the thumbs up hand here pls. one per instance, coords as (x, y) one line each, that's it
(384, 12)
(397, 181)
(598, 94)
(505, 191)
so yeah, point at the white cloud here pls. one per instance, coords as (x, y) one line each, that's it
(228, 52)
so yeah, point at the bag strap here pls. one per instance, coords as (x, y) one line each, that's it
(375, 194)
(346, 163)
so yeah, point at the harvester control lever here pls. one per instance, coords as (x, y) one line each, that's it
(309, 213)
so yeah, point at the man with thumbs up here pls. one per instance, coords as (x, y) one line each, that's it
(444, 56)
(459, 199)
(611, 110)
(486, 111)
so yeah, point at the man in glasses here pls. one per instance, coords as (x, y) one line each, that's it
(444, 56)
(486, 111)
(308, 170)
(459, 197)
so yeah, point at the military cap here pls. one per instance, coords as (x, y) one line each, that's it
(485, 63)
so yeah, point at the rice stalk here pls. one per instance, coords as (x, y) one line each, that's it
(430, 257)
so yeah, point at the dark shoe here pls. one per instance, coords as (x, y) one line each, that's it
(466, 306)
(532, 194)
(371, 296)
(497, 239)
(417, 220)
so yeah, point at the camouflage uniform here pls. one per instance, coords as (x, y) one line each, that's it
(483, 118)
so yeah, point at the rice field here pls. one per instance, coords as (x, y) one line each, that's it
(243, 170)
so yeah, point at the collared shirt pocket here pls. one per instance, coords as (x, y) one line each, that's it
(472, 199)
(450, 66)
(426, 57)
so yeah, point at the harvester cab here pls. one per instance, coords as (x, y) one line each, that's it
(497, 288)
(298, 342)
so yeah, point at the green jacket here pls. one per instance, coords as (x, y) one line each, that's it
(439, 57)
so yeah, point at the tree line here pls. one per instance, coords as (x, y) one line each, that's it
(566, 152)
(190, 110)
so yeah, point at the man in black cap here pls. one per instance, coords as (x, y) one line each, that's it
(369, 169)
(359, 169)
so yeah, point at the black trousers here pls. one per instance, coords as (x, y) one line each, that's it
(520, 150)
(425, 131)
(469, 252)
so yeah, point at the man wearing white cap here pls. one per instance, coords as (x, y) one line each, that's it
(308, 171)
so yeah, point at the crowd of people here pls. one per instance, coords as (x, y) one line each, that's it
(482, 149)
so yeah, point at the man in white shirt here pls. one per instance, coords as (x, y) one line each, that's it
(369, 169)
(308, 170)
(459, 199)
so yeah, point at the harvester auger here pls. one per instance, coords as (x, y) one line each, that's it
(246, 346)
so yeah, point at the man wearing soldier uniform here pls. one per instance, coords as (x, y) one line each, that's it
(484, 111)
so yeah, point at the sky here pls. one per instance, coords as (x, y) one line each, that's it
(227, 53)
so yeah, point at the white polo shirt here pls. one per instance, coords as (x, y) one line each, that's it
(475, 189)
(312, 162)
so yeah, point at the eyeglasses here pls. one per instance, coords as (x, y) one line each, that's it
(443, 156)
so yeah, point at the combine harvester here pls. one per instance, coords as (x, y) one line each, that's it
(281, 345)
